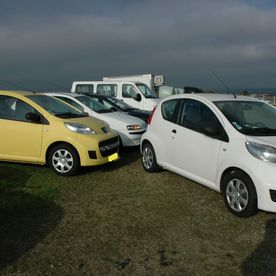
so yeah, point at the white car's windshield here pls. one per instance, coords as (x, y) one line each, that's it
(250, 117)
(147, 92)
(93, 104)
(56, 107)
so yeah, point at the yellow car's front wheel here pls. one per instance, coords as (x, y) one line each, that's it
(64, 160)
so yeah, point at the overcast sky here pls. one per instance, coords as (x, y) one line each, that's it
(45, 45)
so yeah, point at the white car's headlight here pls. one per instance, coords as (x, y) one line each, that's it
(79, 128)
(133, 127)
(262, 152)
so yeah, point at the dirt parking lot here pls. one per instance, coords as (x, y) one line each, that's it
(119, 220)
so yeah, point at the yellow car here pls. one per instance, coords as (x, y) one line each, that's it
(40, 129)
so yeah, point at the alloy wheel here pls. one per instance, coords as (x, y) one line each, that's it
(147, 158)
(62, 161)
(236, 195)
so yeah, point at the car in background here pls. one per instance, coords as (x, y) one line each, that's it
(36, 128)
(225, 142)
(129, 128)
(119, 105)
(136, 94)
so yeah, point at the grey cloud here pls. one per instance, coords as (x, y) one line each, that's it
(182, 39)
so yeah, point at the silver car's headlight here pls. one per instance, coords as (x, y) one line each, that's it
(79, 128)
(262, 152)
(133, 127)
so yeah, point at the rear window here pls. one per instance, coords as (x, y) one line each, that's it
(107, 89)
(84, 88)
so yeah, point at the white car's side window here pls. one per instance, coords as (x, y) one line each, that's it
(198, 117)
(170, 110)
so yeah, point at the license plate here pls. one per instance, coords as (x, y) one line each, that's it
(113, 157)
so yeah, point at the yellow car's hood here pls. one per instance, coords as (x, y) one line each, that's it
(92, 123)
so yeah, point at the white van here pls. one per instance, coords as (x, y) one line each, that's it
(136, 94)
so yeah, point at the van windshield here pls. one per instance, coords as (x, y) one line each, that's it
(56, 107)
(250, 117)
(146, 91)
(93, 104)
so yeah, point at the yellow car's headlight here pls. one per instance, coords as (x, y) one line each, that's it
(79, 128)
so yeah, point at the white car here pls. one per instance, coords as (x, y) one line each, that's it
(129, 128)
(225, 142)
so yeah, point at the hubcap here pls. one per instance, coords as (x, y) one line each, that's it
(237, 195)
(147, 158)
(62, 161)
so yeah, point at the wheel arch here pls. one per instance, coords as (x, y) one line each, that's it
(252, 189)
(144, 142)
(56, 144)
(229, 170)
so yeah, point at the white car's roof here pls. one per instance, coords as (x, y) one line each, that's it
(120, 117)
(64, 93)
(213, 97)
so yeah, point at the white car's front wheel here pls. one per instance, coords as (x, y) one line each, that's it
(239, 194)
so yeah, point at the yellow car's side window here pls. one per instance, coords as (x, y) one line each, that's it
(14, 109)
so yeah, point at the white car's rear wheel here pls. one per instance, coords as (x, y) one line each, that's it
(149, 159)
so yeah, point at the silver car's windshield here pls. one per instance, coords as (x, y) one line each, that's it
(93, 104)
(120, 103)
(250, 117)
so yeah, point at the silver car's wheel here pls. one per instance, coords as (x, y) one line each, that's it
(64, 159)
(236, 195)
(239, 194)
(148, 158)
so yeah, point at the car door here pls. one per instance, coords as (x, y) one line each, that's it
(192, 151)
(164, 130)
(20, 139)
(130, 96)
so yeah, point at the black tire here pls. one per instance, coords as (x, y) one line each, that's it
(149, 158)
(239, 193)
(64, 160)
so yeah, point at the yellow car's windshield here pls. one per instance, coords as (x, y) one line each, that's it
(56, 107)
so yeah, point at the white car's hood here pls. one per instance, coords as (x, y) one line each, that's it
(266, 140)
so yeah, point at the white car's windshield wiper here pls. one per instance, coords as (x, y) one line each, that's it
(260, 131)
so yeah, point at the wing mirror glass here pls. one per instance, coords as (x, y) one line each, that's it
(210, 130)
(33, 117)
(137, 97)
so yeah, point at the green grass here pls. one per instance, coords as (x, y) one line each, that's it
(119, 220)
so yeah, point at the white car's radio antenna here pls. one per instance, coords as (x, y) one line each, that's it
(224, 84)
